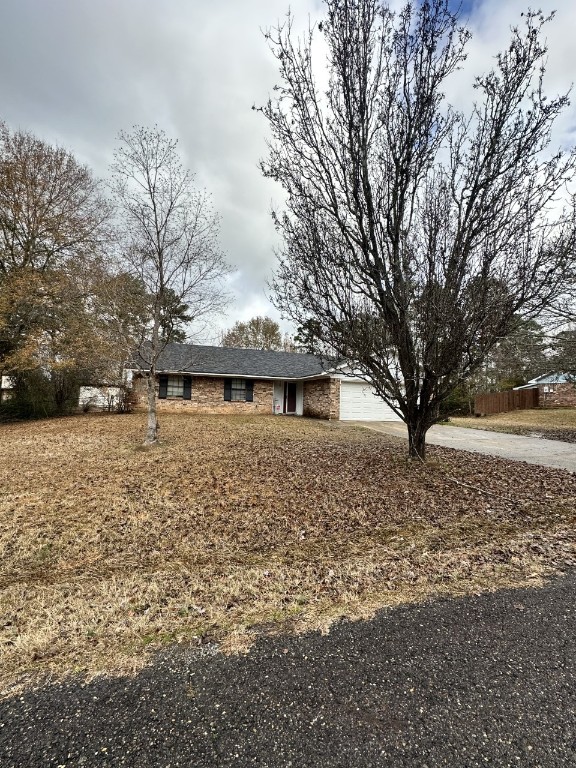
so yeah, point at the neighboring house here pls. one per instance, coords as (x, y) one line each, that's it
(230, 380)
(554, 389)
(104, 398)
(6, 388)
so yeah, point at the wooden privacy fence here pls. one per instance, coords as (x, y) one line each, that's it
(502, 402)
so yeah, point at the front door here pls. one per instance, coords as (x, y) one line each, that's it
(289, 397)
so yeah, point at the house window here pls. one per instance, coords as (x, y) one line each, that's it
(239, 390)
(174, 387)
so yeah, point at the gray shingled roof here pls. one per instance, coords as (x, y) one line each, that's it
(253, 363)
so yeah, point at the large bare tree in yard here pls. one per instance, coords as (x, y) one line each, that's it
(54, 227)
(169, 244)
(415, 236)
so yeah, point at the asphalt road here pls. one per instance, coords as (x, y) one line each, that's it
(534, 450)
(487, 680)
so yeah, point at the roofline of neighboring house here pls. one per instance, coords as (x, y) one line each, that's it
(540, 381)
(549, 375)
(166, 371)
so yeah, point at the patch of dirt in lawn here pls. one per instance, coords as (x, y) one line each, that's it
(235, 526)
(550, 423)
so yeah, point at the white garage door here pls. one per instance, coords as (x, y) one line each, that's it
(359, 403)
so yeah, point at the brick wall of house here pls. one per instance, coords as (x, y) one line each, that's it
(208, 397)
(563, 395)
(322, 399)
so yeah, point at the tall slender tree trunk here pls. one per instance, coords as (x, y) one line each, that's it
(153, 426)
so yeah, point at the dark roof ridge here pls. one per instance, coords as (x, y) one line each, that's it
(245, 349)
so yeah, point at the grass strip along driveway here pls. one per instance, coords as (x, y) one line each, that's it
(238, 526)
(550, 423)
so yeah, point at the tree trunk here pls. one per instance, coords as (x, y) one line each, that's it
(417, 440)
(153, 426)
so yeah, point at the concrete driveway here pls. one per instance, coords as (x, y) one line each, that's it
(534, 450)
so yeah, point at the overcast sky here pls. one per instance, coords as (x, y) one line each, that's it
(76, 72)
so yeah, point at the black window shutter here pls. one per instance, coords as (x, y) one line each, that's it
(187, 389)
(249, 391)
(227, 389)
(163, 390)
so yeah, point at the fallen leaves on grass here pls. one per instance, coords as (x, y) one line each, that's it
(234, 526)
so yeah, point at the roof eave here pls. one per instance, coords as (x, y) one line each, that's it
(179, 372)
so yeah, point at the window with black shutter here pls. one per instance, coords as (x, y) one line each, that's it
(239, 390)
(175, 387)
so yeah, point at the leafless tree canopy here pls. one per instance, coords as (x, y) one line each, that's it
(414, 234)
(54, 229)
(256, 333)
(169, 242)
(51, 207)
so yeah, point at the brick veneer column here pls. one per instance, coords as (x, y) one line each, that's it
(322, 399)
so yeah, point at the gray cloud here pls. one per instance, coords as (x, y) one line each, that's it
(76, 72)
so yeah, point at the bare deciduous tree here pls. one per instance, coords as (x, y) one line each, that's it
(54, 223)
(51, 206)
(169, 243)
(414, 235)
(256, 333)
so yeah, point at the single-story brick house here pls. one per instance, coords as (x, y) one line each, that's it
(554, 389)
(231, 380)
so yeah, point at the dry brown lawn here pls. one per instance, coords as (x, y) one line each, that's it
(234, 526)
(551, 423)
